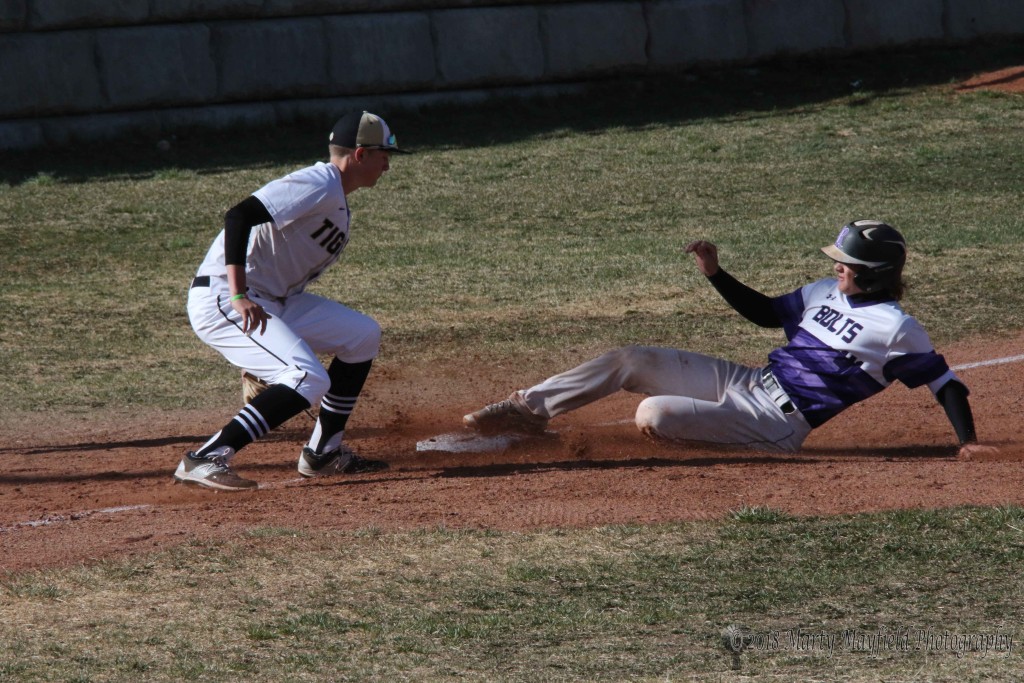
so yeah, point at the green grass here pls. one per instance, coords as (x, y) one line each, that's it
(528, 229)
(532, 232)
(606, 604)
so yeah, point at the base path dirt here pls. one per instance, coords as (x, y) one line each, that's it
(80, 491)
(94, 490)
(1010, 79)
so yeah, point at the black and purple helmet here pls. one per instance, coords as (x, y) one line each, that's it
(876, 246)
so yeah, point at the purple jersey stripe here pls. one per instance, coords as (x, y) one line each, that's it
(790, 309)
(821, 381)
(915, 369)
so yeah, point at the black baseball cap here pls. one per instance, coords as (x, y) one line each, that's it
(363, 129)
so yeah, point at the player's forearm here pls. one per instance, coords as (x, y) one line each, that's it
(751, 304)
(236, 279)
(953, 397)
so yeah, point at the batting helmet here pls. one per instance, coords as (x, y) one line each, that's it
(876, 246)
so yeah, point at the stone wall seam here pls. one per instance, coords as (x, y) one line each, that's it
(847, 25)
(645, 7)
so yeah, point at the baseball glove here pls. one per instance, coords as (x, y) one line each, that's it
(252, 387)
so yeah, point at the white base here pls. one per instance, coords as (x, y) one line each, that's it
(468, 442)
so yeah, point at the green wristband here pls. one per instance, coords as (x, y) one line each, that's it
(236, 297)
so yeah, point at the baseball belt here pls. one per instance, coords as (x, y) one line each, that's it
(201, 281)
(776, 393)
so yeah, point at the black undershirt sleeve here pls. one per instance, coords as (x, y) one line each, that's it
(238, 223)
(751, 304)
(953, 397)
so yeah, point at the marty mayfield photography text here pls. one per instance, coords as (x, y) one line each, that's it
(874, 642)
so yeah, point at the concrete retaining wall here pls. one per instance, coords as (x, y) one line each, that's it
(87, 69)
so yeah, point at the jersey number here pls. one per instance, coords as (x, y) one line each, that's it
(334, 238)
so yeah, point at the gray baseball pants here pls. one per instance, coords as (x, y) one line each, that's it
(693, 398)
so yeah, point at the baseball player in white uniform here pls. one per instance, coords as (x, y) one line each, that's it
(848, 338)
(249, 302)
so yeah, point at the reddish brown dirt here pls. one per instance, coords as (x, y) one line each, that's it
(1010, 79)
(89, 490)
(94, 489)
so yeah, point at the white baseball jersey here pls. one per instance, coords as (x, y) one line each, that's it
(841, 350)
(309, 231)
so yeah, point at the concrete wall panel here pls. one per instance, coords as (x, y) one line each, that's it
(198, 10)
(593, 38)
(794, 26)
(229, 117)
(874, 23)
(494, 45)
(969, 19)
(64, 131)
(68, 14)
(64, 14)
(23, 134)
(42, 76)
(270, 59)
(387, 52)
(165, 65)
(686, 32)
(13, 14)
(123, 60)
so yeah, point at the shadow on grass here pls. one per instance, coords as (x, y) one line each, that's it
(743, 91)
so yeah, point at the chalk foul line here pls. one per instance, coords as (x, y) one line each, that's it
(71, 517)
(985, 363)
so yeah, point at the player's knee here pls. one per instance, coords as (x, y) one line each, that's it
(363, 344)
(372, 337)
(313, 385)
(650, 417)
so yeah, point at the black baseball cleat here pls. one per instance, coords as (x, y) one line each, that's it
(342, 460)
(510, 415)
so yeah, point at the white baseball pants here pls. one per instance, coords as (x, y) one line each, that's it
(693, 398)
(299, 328)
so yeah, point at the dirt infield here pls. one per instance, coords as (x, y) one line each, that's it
(1010, 79)
(84, 490)
(95, 490)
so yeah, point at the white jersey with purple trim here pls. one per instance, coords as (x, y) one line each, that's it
(842, 350)
(309, 231)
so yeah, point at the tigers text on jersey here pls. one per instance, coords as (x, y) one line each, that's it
(309, 231)
(842, 350)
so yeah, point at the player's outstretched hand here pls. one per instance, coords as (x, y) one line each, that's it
(706, 255)
(976, 451)
(253, 315)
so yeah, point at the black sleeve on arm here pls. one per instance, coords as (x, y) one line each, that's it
(953, 397)
(750, 303)
(238, 222)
